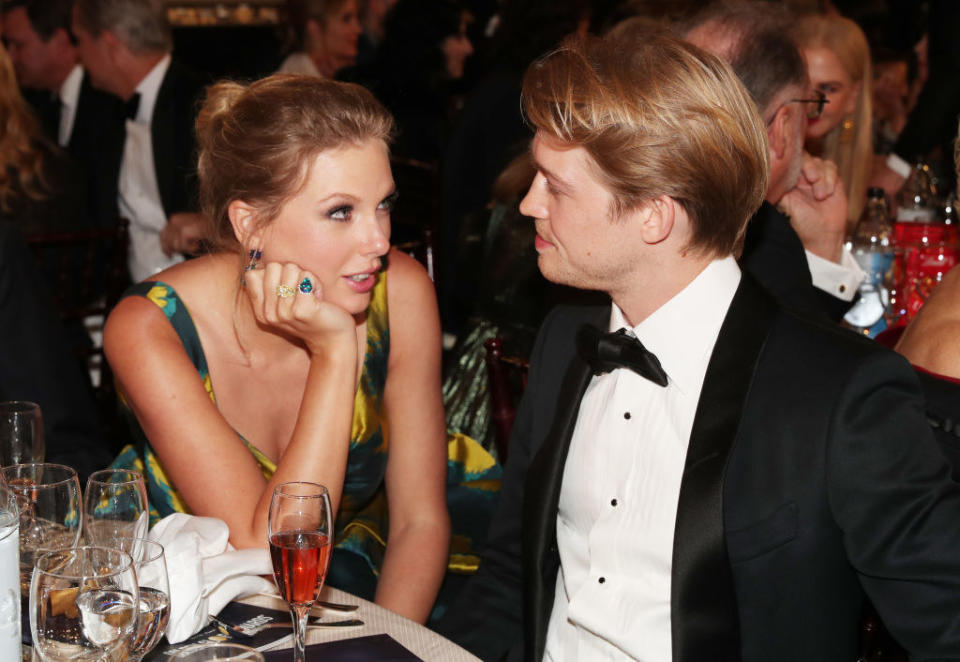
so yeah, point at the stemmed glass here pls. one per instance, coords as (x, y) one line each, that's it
(48, 497)
(9, 577)
(300, 531)
(21, 433)
(115, 506)
(151, 567)
(83, 605)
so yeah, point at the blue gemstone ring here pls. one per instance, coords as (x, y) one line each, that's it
(306, 286)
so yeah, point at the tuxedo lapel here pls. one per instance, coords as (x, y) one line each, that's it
(163, 139)
(541, 500)
(703, 603)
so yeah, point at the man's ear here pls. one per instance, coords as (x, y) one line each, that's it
(780, 132)
(657, 218)
(243, 220)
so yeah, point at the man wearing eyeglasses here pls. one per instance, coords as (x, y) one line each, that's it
(794, 243)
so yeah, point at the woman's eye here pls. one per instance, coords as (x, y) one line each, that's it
(340, 213)
(388, 202)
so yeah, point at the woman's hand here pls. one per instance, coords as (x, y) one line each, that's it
(290, 299)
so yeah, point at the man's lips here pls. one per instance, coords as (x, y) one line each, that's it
(541, 244)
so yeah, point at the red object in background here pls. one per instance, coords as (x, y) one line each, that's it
(925, 253)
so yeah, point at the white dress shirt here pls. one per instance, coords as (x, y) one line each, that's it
(841, 280)
(621, 484)
(299, 63)
(139, 195)
(69, 97)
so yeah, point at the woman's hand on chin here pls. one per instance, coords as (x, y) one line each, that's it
(290, 299)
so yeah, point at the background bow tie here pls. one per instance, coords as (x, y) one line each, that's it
(607, 351)
(131, 106)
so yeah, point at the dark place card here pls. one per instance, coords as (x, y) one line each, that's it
(379, 647)
(249, 617)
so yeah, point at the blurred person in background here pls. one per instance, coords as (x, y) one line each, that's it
(838, 62)
(415, 73)
(126, 47)
(325, 37)
(372, 15)
(72, 113)
(39, 189)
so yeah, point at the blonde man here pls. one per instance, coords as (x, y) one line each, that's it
(729, 486)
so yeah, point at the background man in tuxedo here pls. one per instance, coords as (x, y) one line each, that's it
(125, 45)
(734, 492)
(794, 243)
(74, 114)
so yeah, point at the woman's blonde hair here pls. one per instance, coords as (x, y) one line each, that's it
(257, 141)
(853, 154)
(21, 160)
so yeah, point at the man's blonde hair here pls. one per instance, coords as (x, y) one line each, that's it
(658, 117)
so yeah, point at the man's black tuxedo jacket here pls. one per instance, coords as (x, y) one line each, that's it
(773, 254)
(811, 476)
(173, 137)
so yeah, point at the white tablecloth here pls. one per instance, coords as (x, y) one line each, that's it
(419, 640)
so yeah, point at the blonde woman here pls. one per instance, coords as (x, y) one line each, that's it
(38, 191)
(326, 36)
(838, 59)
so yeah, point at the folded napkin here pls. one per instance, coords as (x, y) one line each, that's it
(205, 571)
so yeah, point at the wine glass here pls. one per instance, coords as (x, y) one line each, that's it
(115, 506)
(21, 433)
(151, 567)
(300, 530)
(218, 651)
(48, 497)
(83, 605)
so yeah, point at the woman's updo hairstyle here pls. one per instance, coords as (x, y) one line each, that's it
(257, 141)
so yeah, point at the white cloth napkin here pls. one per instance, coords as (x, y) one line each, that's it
(205, 571)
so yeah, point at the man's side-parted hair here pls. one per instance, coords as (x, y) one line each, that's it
(140, 24)
(658, 117)
(46, 16)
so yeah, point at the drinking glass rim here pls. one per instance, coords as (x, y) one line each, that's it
(11, 406)
(322, 490)
(139, 477)
(72, 475)
(82, 548)
(149, 543)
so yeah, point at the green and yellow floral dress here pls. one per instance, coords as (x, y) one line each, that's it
(473, 476)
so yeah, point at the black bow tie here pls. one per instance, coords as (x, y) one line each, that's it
(131, 106)
(607, 351)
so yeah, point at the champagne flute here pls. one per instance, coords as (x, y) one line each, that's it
(300, 531)
(83, 605)
(115, 506)
(222, 652)
(151, 567)
(48, 497)
(21, 433)
(9, 576)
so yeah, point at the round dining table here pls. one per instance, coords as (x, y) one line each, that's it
(418, 639)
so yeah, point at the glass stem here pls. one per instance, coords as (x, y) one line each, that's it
(299, 615)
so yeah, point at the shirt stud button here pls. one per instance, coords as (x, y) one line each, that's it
(843, 288)
(626, 415)
(613, 502)
(602, 580)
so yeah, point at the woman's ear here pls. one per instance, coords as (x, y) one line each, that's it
(314, 32)
(243, 220)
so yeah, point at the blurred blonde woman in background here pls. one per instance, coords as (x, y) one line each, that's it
(838, 59)
(37, 191)
(325, 37)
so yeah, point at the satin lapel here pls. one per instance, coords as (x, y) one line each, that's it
(541, 501)
(703, 607)
(162, 139)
